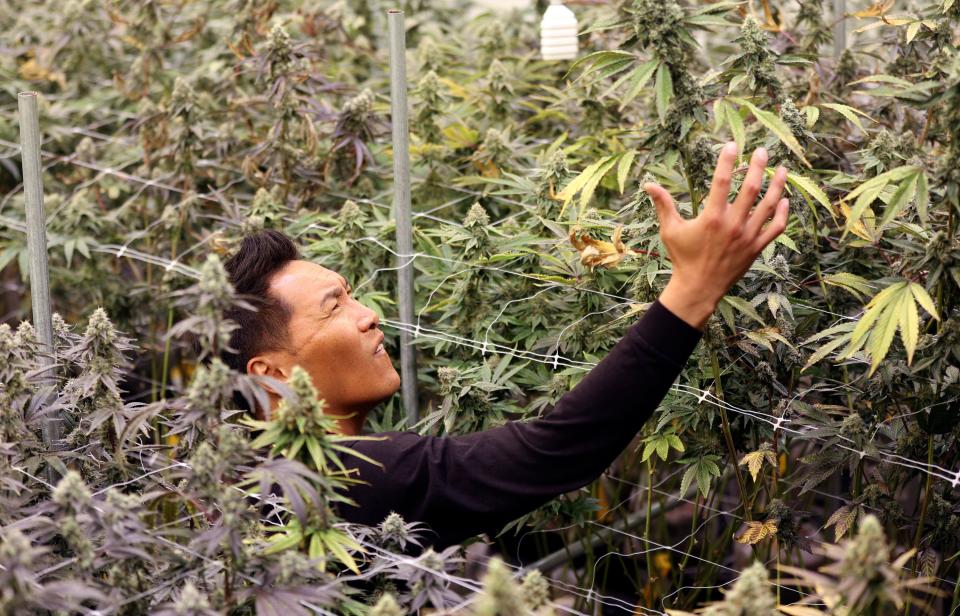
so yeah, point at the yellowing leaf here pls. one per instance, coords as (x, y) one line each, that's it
(598, 253)
(890, 310)
(876, 9)
(851, 282)
(755, 532)
(755, 459)
(848, 112)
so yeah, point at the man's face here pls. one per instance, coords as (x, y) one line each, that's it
(334, 338)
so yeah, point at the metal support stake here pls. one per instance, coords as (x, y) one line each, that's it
(37, 243)
(839, 27)
(401, 206)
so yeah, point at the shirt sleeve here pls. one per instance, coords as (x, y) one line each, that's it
(464, 485)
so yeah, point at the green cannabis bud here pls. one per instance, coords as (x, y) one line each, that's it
(305, 408)
(501, 594)
(210, 388)
(279, 41)
(476, 217)
(750, 595)
(71, 493)
(190, 602)
(758, 60)
(867, 554)
(658, 25)
(360, 105)
(387, 606)
(430, 56)
(429, 107)
(535, 590)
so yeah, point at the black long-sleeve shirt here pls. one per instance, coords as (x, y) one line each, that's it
(461, 486)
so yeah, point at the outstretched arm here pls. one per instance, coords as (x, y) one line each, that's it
(464, 485)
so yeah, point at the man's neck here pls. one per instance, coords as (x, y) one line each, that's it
(351, 426)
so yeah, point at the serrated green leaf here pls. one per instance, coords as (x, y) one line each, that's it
(851, 282)
(597, 61)
(777, 126)
(743, 306)
(719, 114)
(663, 88)
(687, 479)
(809, 190)
(909, 325)
(825, 350)
(641, 75)
(848, 112)
(903, 195)
(923, 298)
(623, 168)
(737, 129)
(923, 197)
(591, 186)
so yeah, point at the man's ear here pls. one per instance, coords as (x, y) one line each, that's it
(268, 365)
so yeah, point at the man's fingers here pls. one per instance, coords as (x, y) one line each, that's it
(751, 185)
(666, 210)
(720, 185)
(776, 226)
(766, 206)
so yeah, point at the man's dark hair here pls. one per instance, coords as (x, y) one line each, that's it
(260, 256)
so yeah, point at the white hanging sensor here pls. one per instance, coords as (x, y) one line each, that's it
(558, 33)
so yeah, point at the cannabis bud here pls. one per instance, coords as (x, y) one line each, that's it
(476, 217)
(853, 427)
(500, 595)
(304, 407)
(214, 282)
(190, 601)
(183, 97)
(280, 41)
(535, 590)
(360, 105)
(448, 378)
(351, 215)
(431, 57)
(210, 387)
(387, 606)
(71, 493)
(750, 594)
(867, 553)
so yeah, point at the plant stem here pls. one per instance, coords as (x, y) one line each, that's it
(646, 524)
(728, 436)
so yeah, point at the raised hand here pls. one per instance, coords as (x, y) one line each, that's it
(712, 251)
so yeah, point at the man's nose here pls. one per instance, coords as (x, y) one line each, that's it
(369, 318)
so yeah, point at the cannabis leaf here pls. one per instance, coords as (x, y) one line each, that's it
(703, 469)
(755, 459)
(775, 125)
(755, 532)
(891, 309)
(907, 179)
(598, 253)
(661, 443)
(843, 519)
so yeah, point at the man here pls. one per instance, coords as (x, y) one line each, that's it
(461, 486)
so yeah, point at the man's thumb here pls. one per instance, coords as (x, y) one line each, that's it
(666, 210)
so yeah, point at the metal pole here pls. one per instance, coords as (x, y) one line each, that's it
(37, 242)
(401, 206)
(839, 27)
